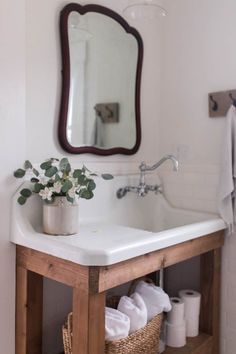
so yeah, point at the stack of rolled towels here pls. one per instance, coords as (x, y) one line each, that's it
(134, 312)
(183, 320)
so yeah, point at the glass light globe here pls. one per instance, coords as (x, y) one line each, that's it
(144, 9)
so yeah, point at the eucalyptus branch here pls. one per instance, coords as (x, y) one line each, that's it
(56, 178)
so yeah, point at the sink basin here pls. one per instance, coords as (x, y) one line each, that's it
(112, 230)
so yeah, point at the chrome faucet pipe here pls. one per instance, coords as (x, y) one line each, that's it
(142, 189)
(143, 167)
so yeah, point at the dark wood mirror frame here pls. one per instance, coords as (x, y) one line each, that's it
(66, 80)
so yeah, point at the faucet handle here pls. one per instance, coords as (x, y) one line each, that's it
(142, 167)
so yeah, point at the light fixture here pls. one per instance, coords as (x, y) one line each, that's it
(144, 9)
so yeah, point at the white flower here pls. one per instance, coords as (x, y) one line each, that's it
(72, 193)
(46, 194)
(57, 187)
(74, 181)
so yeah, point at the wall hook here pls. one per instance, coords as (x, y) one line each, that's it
(215, 104)
(220, 102)
(110, 112)
(98, 112)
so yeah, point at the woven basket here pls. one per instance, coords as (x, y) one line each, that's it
(143, 341)
(67, 335)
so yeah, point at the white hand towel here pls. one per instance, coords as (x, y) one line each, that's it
(117, 324)
(156, 300)
(134, 307)
(228, 171)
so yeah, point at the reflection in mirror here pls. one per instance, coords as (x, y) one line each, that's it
(104, 84)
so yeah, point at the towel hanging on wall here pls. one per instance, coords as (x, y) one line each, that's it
(227, 185)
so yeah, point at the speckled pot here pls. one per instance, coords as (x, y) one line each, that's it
(60, 217)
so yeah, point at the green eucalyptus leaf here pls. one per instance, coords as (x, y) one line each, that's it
(21, 200)
(19, 173)
(57, 178)
(26, 193)
(53, 159)
(91, 185)
(82, 180)
(38, 187)
(51, 171)
(68, 168)
(66, 186)
(86, 194)
(70, 200)
(34, 180)
(50, 183)
(63, 164)
(93, 175)
(28, 165)
(46, 165)
(107, 176)
(35, 172)
(77, 173)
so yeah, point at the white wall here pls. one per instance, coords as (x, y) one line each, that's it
(43, 85)
(12, 151)
(198, 57)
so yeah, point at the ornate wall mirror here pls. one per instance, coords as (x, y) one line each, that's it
(102, 63)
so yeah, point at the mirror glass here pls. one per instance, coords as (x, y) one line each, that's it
(103, 100)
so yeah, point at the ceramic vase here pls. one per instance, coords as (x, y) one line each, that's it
(60, 217)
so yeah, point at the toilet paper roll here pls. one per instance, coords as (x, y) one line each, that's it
(176, 315)
(192, 302)
(176, 335)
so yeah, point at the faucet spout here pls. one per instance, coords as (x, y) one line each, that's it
(142, 189)
(143, 167)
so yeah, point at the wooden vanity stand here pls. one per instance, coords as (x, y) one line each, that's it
(89, 291)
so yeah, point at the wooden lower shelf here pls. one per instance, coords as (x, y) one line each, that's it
(198, 345)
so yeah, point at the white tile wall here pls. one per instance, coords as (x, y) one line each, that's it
(193, 187)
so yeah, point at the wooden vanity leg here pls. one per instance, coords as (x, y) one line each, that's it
(210, 289)
(88, 322)
(29, 309)
(21, 310)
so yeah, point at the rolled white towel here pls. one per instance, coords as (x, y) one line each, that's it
(117, 324)
(134, 307)
(156, 300)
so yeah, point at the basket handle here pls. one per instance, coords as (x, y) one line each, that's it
(70, 327)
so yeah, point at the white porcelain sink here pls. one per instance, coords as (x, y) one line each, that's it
(113, 230)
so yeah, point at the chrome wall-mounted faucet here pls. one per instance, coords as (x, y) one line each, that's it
(143, 167)
(142, 189)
